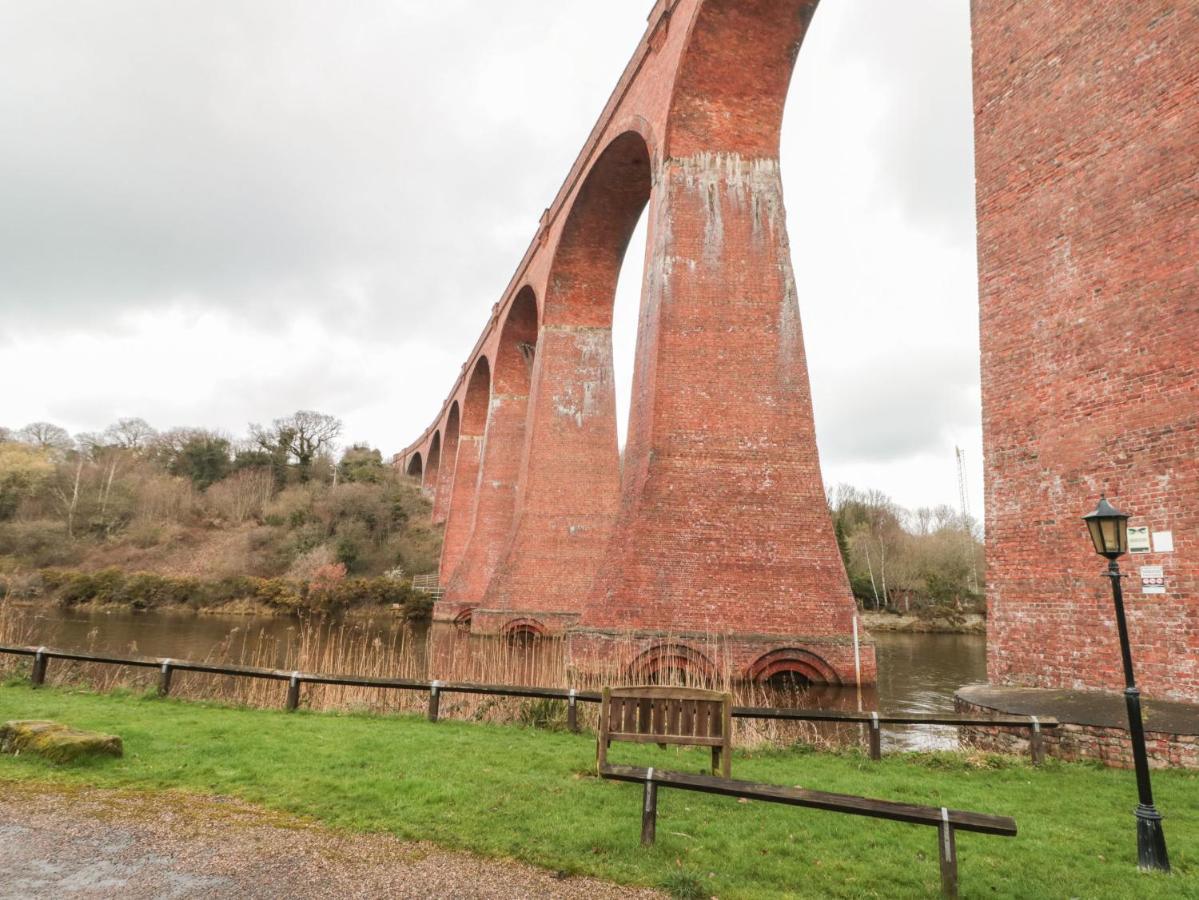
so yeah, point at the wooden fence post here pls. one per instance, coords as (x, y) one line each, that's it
(434, 700)
(1035, 746)
(876, 738)
(572, 711)
(649, 811)
(164, 678)
(947, 850)
(38, 676)
(293, 692)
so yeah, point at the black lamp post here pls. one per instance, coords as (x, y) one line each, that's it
(1109, 533)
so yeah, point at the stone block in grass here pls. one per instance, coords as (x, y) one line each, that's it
(56, 742)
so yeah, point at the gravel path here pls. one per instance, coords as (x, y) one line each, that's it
(65, 842)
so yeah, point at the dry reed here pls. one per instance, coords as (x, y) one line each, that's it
(364, 649)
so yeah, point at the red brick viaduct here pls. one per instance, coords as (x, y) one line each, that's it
(709, 544)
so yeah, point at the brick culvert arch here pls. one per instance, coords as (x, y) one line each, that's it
(657, 665)
(525, 629)
(793, 661)
(462, 619)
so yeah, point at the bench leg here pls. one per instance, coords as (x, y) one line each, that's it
(948, 852)
(649, 813)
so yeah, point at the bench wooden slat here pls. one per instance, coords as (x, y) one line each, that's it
(629, 722)
(658, 717)
(983, 823)
(690, 740)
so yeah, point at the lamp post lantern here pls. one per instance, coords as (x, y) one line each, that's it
(1109, 534)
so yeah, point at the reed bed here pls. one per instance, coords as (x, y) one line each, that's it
(405, 651)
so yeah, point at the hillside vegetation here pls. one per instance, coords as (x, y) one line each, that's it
(198, 509)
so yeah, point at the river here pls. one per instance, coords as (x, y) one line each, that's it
(917, 672)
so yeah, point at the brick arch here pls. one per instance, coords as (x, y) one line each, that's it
(449, 453)
(570, 475)
(805, 663)
(460, 518)
(731, 86)
(599, 224)
(463, 617)
(415, 468)
(477, 399)
(503, 446)
(661, 659)
(524, 626)
(432, 463)
(516, 352)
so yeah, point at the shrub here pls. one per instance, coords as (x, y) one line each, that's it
(328, 590)
(39, 544)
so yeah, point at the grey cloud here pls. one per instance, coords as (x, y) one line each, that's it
(278, 156)
(885, 412)
(925, 141)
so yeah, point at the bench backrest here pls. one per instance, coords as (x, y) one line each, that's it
(659, 714)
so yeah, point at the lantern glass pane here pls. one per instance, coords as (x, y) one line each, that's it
(1096, 534)
(1111, 537)
(1122, 535)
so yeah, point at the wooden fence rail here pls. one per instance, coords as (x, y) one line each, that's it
(873, 721)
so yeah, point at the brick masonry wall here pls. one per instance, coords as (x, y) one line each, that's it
(1086, 116)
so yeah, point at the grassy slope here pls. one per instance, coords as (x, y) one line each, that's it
(529, 794)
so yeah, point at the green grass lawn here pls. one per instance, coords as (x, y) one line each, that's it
(530, 794)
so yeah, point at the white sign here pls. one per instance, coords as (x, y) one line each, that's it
(1153, 580)
(1138, 539)
(1163, 542)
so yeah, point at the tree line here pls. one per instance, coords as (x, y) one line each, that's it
(929, 560)
(305, 505)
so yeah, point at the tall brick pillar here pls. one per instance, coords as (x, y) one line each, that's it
(1086, 128)
(724, 527)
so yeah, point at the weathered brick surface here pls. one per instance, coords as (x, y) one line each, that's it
(1074, 742)
(715, 526)
(1087, 115)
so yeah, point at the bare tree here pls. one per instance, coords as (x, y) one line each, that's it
(242, 495)
(302, 436)
(70, 500)
(46, 436)
(130, 434)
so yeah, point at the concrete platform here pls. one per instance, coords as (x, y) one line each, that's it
(1094, 724)
(1096, 708)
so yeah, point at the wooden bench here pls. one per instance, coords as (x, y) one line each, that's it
(656, 714)
(694, 717)
(946, 821)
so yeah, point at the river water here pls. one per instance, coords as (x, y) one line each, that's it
(916, 672)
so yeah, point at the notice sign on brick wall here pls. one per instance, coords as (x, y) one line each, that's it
(1138, 539)
(1153, 580)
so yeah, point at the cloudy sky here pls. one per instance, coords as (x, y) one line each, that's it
(217, 212)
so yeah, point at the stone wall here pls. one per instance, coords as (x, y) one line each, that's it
(1074, 742)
